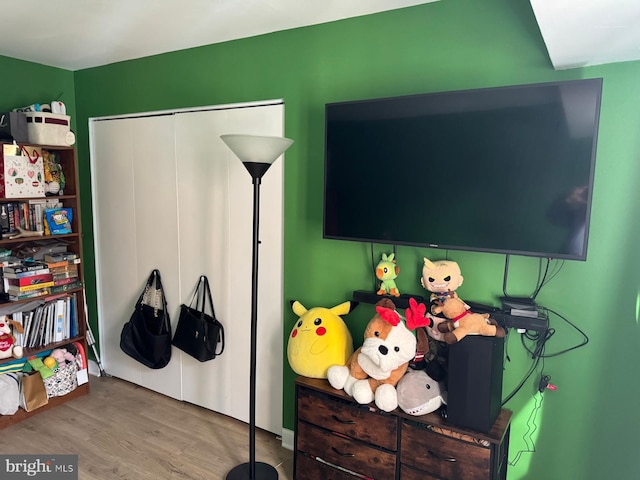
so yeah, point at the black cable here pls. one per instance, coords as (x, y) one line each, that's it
(543, 278)
(373, 269)
(534, 365)
(536, 355)
(505, 275)
(581, 344)
(532, 427)
(541, 281)
(558, 267)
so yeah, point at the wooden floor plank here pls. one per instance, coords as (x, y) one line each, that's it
(124, 431)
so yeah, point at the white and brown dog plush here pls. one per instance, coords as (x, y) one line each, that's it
(8, 347)
(374, 369)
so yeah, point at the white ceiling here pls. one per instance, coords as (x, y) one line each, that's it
(77, 34)
(581, 33)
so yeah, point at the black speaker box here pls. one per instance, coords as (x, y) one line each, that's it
(474, 396)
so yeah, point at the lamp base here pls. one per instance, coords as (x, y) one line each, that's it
(264, 471)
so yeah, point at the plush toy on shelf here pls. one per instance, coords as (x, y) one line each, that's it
(442, 278)
(374, 370)
(419, 394)
(8, 346)
(319, 339)
(61, 355)
(53, 174)
(387, 271)
(463, 322)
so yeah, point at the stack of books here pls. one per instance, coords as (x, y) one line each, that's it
(64, 270)
(54, 321)
(27, 280)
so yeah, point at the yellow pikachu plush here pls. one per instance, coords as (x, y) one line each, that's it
(319, 339)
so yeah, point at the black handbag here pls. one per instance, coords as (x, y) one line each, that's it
(146, 337)
(13, 126)
(198, 333)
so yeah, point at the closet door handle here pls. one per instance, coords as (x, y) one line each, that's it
(344, 422)
(440, 457)
(343, 454)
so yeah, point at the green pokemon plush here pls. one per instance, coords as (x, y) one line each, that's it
(387, 271)
(319, 339)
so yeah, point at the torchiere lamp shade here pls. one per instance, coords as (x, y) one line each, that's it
(257, 152)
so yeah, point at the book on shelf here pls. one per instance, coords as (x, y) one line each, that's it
(36, 279)
(38, 207)
(66, 288)
(30, 273)
(62, 275)
(32, 294)
(63, 263)
(64, 281)
(18, 337)
(25, 266)
(59, 257)
(19, 290)
(69, 270)
(10, 261)
(59, 329)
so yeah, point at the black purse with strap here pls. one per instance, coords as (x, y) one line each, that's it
(198, 333)
(146, 337)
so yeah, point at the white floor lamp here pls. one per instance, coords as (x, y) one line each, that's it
(257, 153)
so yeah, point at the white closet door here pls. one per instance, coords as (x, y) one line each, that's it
(136, 230)
(223, 252)
(172, 174)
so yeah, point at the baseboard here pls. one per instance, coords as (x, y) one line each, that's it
(288, 438)
(94, 369)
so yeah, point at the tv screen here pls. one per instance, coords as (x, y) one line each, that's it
(504, 170)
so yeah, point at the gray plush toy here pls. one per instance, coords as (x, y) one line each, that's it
(419, 394)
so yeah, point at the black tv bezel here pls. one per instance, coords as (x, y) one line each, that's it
(550, 255)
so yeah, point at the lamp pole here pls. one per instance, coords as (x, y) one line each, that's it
(246, 148)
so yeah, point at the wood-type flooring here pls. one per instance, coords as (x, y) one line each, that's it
(124, 431)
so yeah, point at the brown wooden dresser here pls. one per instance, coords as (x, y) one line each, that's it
(338, 439)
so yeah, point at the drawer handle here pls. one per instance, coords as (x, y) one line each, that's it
(344, 422)
(440, 457)
(342, 454)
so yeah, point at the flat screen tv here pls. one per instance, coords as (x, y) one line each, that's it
(504, 170)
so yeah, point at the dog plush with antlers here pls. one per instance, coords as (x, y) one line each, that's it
(374, 369)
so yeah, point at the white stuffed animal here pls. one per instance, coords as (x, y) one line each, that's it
(374, 369)
(8, 347)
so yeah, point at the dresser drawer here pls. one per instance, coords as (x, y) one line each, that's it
(309, 469)
(355, 421)
(443, 456)
(346, 452)
(410, 473)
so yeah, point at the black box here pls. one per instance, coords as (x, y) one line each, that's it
(474, 395)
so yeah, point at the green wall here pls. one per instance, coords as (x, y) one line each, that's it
(587, 429)
(23, 83)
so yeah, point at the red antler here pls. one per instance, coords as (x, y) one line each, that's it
(388, 315)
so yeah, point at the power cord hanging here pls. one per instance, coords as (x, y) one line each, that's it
(532, 427)
(543, 276)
